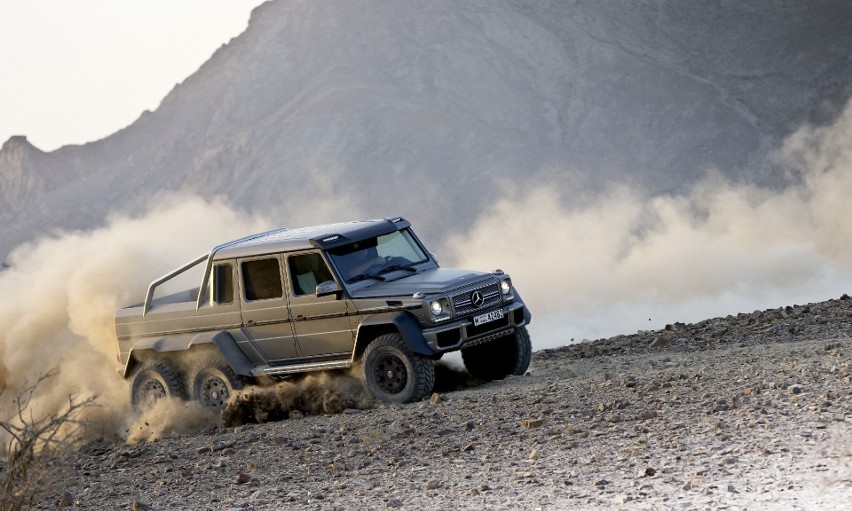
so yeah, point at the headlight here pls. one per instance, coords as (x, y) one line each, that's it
(440, 308)
(506, 286)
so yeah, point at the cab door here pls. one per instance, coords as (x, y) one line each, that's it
(264, 311)
(321, 325)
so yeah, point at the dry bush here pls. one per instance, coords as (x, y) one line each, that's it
(31, 442)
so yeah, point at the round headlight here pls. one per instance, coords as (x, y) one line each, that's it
(437, 308)
(506, 287)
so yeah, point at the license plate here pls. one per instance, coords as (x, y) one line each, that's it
(487, 317)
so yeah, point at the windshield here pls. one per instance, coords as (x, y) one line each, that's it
(373, 257)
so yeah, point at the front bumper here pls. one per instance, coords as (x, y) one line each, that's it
(462, 333)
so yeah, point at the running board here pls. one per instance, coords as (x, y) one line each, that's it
(302, 368)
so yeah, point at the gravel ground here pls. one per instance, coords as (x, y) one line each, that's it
(749, 411)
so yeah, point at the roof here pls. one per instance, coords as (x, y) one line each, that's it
(318, 236)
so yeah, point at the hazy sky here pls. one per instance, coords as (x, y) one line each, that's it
(74, 71)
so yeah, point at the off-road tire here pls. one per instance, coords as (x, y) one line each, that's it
(523, 346)
(155, 380)
(214, 383)
(394, 374)
(510, 354)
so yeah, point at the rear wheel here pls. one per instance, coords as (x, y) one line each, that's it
(394, 374)
(215, 383)
(510, 354)
(152, 381)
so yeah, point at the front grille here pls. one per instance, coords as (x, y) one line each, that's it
(463, 304)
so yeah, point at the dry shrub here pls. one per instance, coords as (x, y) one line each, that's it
(32, 441)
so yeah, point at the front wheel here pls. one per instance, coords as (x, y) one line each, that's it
(394, 374)
(153, 381)
(214, 383)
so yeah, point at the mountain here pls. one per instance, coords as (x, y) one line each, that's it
(434, 108)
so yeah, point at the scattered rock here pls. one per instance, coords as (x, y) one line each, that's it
(65, 500)
(532, 423)
(659, 342)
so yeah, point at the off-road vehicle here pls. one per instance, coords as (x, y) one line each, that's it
(289, 301)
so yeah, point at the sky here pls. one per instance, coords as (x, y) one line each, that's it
(74, 71)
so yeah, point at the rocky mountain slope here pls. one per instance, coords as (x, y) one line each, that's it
(748, 411)
(343, 109)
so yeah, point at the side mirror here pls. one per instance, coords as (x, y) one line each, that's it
(329, 287)
(434, 257)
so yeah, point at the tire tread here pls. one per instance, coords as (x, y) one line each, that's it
(423, 368)
(166, 370)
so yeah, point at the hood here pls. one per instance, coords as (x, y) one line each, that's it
(434, 280)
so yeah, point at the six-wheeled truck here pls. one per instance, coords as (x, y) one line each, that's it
(290, 301)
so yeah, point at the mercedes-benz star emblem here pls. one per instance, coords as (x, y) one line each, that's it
(477, 299)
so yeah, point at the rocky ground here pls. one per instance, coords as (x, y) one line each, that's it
(749, 411)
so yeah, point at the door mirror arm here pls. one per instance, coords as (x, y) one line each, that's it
(329, 287)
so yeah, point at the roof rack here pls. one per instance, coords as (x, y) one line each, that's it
(149, 296)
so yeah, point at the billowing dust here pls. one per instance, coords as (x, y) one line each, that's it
(170, 417)
(60, 295)
(596, 266)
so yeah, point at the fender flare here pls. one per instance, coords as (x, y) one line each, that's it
(527, 313)
(222, 340)
(404, 322)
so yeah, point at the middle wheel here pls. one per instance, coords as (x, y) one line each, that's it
(214, 383)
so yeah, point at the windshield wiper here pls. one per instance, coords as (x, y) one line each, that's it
(365, 276)
(397, 267)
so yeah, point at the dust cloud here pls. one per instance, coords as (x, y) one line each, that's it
(328, 392)
(60, 295)
(623, 262)
(316, 393)
(169, 417)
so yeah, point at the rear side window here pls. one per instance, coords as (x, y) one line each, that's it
(262, 279)
(223, 284)
(308, 270)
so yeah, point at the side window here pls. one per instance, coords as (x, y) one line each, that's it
(223, 284)
(306, 271)
(262, 279)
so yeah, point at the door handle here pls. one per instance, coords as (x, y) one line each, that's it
(250, 322)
